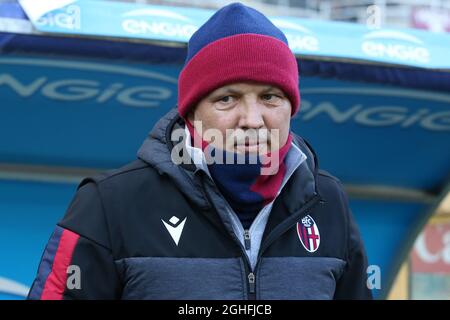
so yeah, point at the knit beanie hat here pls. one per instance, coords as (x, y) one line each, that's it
(237, 44)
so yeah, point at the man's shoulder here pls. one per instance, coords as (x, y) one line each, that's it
(128, 174)
(327, 178)
(330, 186)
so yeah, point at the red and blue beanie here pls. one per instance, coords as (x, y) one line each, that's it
(237, 44)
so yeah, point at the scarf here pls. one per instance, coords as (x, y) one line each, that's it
(241, 182)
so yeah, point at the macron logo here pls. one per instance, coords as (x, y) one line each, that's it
(175, 228)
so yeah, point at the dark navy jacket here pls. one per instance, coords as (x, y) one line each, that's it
(120, 234)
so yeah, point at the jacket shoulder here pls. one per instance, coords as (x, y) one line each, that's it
(323, 174)
(328, 183)
(89, 213)
(121, 174)
(333, 194)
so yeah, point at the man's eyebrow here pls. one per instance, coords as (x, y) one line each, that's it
(270, 88)
(228, 90)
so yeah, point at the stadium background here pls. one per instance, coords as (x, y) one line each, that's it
(52, 134)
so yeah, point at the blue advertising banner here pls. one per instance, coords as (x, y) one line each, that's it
(112, 104)
(177, 24)
(29, 212)
(398, 130)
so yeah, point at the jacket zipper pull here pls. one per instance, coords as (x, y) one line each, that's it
(251, 282)
(247, 242)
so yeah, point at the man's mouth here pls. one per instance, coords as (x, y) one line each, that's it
(250, 146)
(250, 143)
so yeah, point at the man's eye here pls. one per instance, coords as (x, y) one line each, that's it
(269, 97)
(225, 99)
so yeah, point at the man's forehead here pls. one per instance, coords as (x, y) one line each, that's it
(239, 87)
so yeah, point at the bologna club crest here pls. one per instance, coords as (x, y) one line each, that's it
(308, 233)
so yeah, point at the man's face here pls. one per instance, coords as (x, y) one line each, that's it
(257, 114)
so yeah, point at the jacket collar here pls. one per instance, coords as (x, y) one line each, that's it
(158, 147)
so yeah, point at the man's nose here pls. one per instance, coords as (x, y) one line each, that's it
(251, 115)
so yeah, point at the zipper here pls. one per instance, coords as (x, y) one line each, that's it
(247, 240)
(251, 275)
(280, 230)
(251, 286)
(286, 225)
(251, 292)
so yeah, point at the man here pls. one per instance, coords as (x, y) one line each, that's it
(178, 223)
